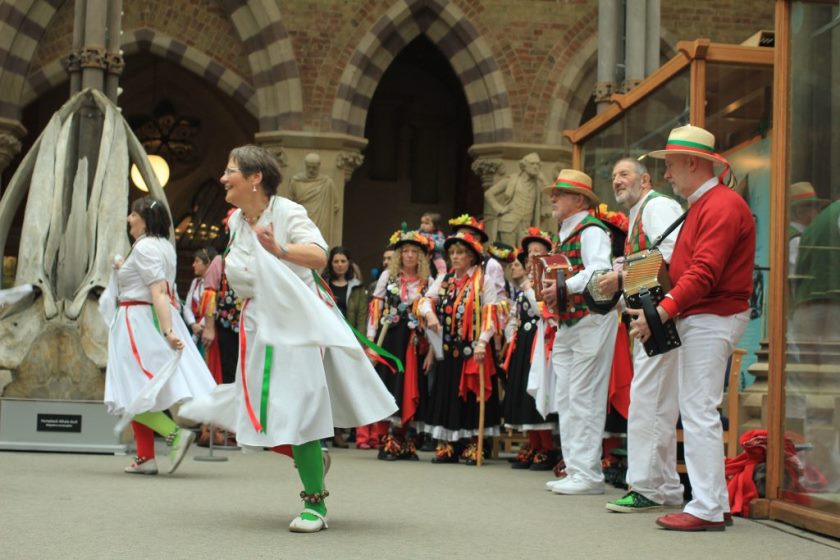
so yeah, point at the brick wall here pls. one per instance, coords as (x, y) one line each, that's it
(532, 41)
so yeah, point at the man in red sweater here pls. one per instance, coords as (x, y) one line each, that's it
(711, 274)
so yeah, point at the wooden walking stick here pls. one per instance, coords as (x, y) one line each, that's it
(382, 334)
(479, 460)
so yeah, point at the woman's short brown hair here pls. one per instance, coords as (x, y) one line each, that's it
(253, 159)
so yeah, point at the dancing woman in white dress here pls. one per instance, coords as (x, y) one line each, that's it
(149, 366)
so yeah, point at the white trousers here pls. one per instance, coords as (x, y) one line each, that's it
(707, 342)
(651, 423)
(582, 359)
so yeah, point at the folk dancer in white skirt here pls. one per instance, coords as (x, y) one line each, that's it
(301, 370)
(149, 366)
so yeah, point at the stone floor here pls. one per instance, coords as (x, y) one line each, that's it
(63, 506)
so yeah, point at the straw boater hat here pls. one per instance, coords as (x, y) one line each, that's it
(574, 182)
(803, 193)
(502, 252)
(469, 240)
(536, 234)
(691, 140)
(471, 223)
(400, 238)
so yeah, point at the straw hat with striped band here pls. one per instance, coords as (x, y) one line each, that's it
(692, 140)
(803, 193)
(572, 181)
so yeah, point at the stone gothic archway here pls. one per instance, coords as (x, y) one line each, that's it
(448, 28)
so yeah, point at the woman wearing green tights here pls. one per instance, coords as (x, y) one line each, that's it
(301, 371)
(149, 366)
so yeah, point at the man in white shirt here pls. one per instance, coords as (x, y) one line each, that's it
(583, 347)
(651, 436)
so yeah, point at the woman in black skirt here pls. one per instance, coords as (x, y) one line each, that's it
(393, 324)
(461, 306)
(519, 409)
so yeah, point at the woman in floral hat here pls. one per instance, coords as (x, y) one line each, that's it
(519, 409)
(393, 324)
(461, 306)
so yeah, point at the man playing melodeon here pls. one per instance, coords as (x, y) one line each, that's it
(711, 274)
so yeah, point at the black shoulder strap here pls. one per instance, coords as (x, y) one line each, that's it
(668, 231)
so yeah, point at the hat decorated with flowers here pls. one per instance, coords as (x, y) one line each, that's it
(803, 193)
(502, 252)
(467, 239)
(401, 237)
(572, 181)
(536, 234)
(471, 223)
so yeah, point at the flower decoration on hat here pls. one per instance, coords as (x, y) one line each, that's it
(469, 240)
(467, 221)
(502, 252)
(401, 237)
(536, 234)
(618, 219)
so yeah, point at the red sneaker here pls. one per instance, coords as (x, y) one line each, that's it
(687, 522)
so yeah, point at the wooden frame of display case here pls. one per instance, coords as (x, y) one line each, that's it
(775, 506)
(690, 54)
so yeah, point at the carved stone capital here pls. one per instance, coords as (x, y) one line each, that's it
(628, 85)
(488, 169)
(349, 162)
(115, 63)
(603, 91)
(93, 57)
(73, 62)
(277, 150)
(10, 146)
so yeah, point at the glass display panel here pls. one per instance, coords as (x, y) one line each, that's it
(812, 385)
(642, 128)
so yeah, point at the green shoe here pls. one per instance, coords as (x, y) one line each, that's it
(633, 502)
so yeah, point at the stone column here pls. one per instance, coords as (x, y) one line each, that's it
(492, 162)
(609, 16)
(11, 132)
(635, 23)
(341, 155)
(652, 36)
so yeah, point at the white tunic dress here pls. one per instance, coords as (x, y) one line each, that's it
(304, 370)
(176, 376)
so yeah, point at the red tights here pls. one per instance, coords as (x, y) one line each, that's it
(540, 440)
(145, 439)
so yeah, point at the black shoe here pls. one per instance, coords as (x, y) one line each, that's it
(543, 461)
(385, 456)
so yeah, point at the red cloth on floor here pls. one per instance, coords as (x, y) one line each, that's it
(741, 469)
(622, 372)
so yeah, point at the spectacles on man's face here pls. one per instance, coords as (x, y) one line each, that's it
(230, 171)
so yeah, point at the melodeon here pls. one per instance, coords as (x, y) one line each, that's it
(646, 282)
(557, 268)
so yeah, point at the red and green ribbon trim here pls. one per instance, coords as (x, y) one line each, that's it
(381, 353)
(573, 184)
(243, 347)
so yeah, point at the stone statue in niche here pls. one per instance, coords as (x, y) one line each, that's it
(517, 202)
(319, 195)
